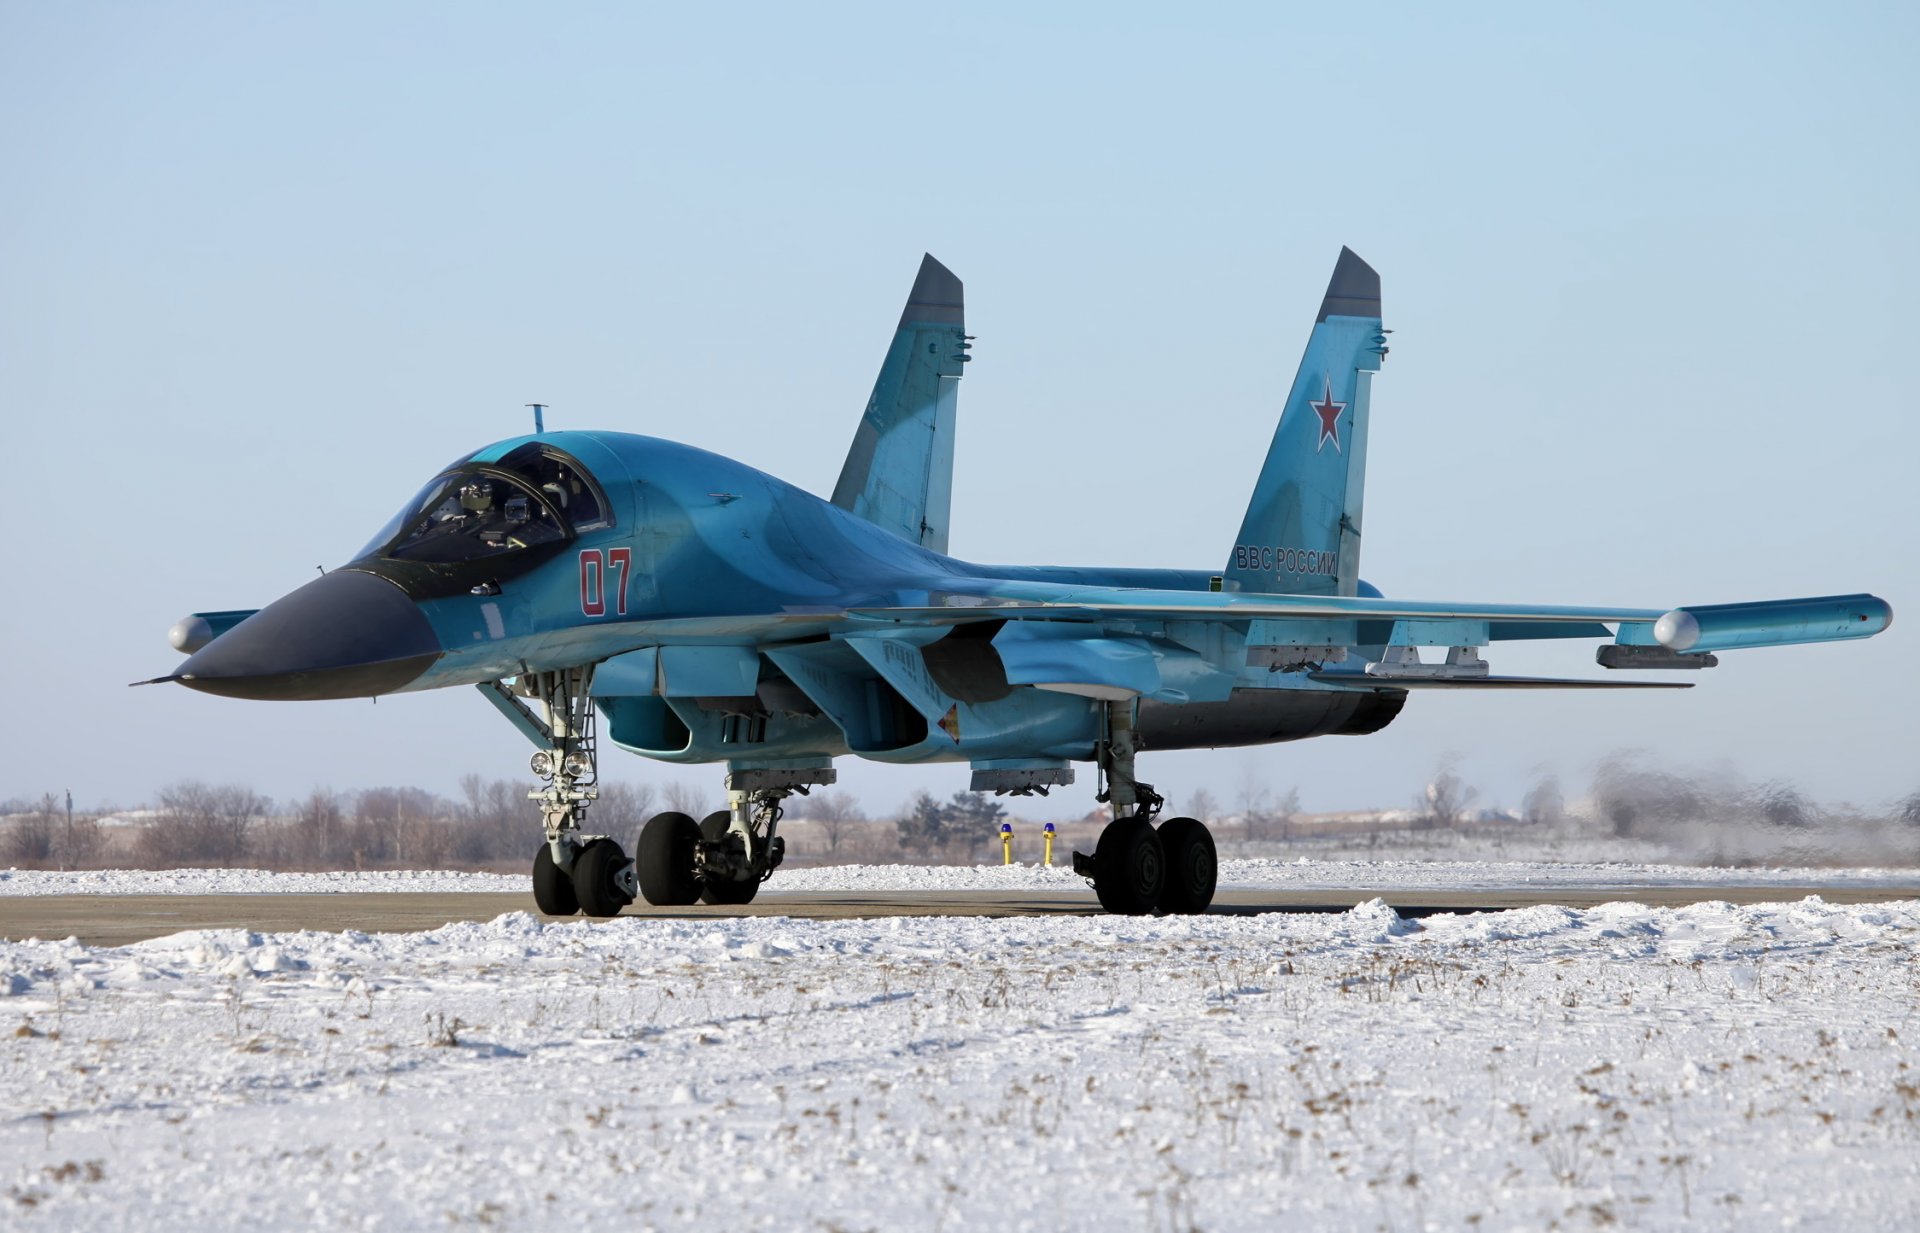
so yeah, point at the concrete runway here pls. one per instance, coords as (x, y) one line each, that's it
(114, 920)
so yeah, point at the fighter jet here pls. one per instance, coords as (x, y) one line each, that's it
(697, 610)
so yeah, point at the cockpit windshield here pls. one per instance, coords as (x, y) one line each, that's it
(472, 513)
(533, 496)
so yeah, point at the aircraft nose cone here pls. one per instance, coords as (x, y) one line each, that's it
(344, 635)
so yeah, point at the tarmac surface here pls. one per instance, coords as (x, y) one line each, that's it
(115, 920)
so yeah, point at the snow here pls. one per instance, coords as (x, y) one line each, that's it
(248, 882)
(1738, 1067)
(1398, 875)
(1304, 874)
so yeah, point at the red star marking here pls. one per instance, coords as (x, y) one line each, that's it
(1329, 413)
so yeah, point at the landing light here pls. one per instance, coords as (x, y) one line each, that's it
(542, 764)
(576, 764)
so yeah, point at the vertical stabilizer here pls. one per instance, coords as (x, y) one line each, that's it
(1301, 535)
(899, 472)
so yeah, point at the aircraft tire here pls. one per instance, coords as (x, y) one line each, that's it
(1193, 866)
(1130, 867)
(664, 860)
(713, 828)
(594, 880)
(553, 890)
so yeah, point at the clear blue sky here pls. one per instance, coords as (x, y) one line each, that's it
(264, 268)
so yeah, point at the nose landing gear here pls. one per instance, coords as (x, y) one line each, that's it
(573, 871)
(553, 891)
(603, 878)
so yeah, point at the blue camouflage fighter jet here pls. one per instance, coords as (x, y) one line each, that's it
(697, 610)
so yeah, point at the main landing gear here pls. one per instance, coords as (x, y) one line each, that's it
(724, 858)
(1136, 869)
(573, 871)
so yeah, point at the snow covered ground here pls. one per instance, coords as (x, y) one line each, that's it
(248, 882)
(1235, 874)
(1713, 1067)
(1306, 874)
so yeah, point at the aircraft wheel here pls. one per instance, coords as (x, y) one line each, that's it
(665, 860)
(596, 878)
(1193, 867)
(552, 889)
(713, 829)
(1129, 867)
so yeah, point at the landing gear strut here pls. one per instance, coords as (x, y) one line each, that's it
(1136, 869)
(715, 830)
(724, 858)
(573, 871)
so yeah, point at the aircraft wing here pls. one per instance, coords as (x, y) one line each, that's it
(1694, 630)
(1094, 603)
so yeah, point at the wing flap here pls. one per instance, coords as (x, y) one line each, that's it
(1366, 681)
(1091, 603)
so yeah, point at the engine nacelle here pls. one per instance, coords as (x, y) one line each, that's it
(1262, 716)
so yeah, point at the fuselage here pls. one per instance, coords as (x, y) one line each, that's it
(689, 549)
(718, 549)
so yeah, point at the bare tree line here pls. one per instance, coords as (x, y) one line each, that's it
(195, 824)
(1635, 807)
(490, 825)
(46, 834)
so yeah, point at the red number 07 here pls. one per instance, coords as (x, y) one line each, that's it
(601, 573)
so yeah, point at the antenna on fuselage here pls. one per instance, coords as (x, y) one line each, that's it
(539, 417)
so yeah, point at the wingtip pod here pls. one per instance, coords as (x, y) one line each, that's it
(1778, 622)
(1354, 289)
(937, 298)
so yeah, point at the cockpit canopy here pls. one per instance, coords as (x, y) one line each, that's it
(533, 497)
(471, 513)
